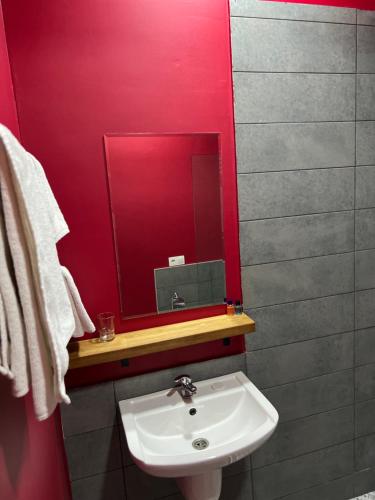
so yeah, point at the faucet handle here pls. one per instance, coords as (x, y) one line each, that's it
(182, 380)
(187, 388)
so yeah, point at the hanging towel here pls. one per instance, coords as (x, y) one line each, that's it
(41, 371)
(43, 225)
(82, 319)
(4, 343)
(17, 355)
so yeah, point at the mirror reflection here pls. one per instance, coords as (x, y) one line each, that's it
(165, 193)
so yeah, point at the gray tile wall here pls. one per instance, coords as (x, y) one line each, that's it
(304, 84)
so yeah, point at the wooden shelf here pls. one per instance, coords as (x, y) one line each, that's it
(161, 338)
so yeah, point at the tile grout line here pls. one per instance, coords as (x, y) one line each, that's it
(317, 450)
(299, 341)
(104, 472)
(297, 259)
(316, 297)
(300, 300)
(292, 122)
(267, 72)
(350, 211)
(319, 122)
(250, 472)
(121, 443)
(329, 167)
(304, 170)
(361, 365)
(309, 169)
(243, 221)
(365, 435)
(331, 410)
(346, 441)
(94, 475)
(316, 256)
(355, 243)
(307, 379)
(295, 20)
(310, 488)
(318, 21)
(329, 335)
(303, 258)
(91, 430)
(304, 379)
(340, 478)
(301, 215)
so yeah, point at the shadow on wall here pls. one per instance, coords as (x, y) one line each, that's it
(32, 465)
(14, 443)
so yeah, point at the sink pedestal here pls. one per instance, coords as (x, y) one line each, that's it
(205, 486)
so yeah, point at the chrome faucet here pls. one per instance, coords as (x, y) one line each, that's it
(185, 385)
(177, 301)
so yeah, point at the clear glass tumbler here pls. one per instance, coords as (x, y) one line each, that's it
(106, 322)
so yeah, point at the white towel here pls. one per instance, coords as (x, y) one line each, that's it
(40, 362)
(43, 225)
(4, 343)
(15, 326)
(83, 322)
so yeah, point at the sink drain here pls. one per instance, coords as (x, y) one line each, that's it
(200, 444)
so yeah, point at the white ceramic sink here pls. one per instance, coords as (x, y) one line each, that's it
(229, 412)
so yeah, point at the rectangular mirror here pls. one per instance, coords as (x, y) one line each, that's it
(166, 204)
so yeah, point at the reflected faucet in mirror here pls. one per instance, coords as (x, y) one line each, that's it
(177, 301)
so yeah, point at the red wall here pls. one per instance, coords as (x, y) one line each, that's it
(208, 209)
(152, 200)
(32, 463)
(84, 69)
(8, 113)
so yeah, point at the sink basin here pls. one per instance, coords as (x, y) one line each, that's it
(168, 436)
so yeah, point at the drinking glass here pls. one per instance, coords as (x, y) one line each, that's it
(106, 322)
